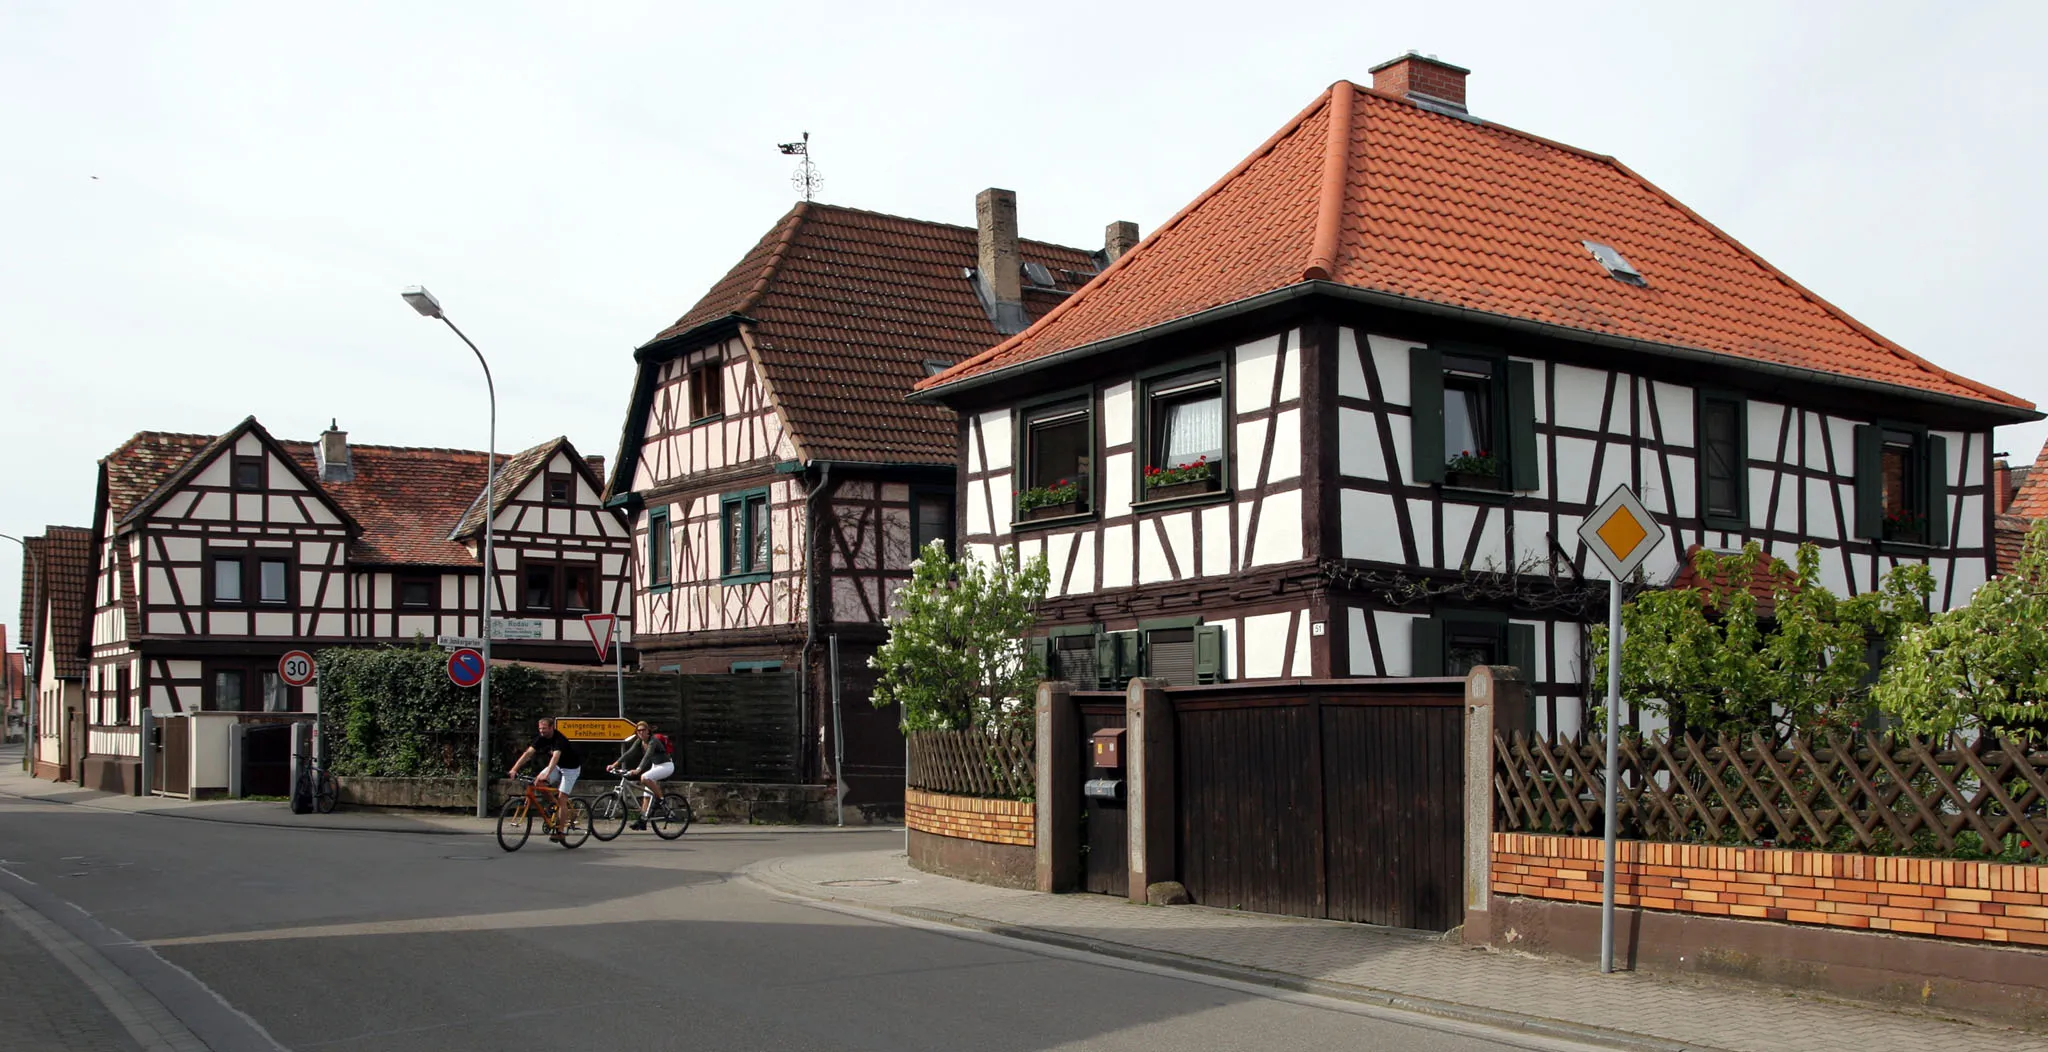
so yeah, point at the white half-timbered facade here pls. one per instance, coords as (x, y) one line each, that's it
(1364, 446)
(778, 483)
(214, 556)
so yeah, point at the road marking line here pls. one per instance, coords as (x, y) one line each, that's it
(139, 1012)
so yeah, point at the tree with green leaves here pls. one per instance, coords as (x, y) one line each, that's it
(955, 657)
(1980, 666)
(1719, 657)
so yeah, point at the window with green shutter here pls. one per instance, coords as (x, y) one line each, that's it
(1901, 484)
(1453, 643)
(1722, 443)
(1472, 419)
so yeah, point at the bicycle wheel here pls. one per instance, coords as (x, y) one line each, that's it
(515, 823)
(325, 792)
(607, 816)
(670, 817)
(575, 823)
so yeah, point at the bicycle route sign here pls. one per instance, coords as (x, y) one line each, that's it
(466, 667)
(599, 729)
(295, 668)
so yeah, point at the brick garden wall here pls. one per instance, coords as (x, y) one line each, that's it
(1013, 822)
(1978, 901)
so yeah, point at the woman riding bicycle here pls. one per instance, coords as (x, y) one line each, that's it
(654, 762)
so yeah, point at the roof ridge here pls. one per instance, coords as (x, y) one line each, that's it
(1813, 297)
(1322, 260)
(1179, 217)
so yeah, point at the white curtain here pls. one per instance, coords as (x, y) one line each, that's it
(1193, 429)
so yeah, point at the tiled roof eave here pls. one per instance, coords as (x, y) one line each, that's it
(940, 394)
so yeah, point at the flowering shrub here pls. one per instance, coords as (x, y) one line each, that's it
(955, 658)
(1193, 471)
(1980, 666)
(1062, 492)
(1470, 463)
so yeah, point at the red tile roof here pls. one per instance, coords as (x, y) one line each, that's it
(1378, 193)
(1763, 586)
(847, 306)
(2031, 502)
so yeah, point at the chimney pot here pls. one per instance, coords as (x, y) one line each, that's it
(330, 455)
(1118, 238)
(1425, 76)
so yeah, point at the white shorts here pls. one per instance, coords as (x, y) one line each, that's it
(565, 779)
(659, 772)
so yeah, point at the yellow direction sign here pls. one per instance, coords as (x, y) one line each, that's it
(596, 729)
(1621, 533)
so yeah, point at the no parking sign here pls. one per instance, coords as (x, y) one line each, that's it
(466, 667)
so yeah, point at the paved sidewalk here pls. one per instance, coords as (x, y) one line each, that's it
(1403, 970)
(48, 1007)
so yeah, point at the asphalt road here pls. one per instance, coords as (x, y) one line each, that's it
(392, 942)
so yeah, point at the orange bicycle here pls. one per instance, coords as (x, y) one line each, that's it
(564, 818)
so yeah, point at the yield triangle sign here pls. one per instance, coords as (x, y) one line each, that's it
(601, 627)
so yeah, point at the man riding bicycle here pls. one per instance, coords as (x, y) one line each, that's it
(655, 763)
(564, 762)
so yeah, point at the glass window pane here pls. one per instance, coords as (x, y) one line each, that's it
(276, 696)
(227, 580)
(227, 690)
(273, 575)
(757, 524)
(657, 549)
(735, 538)
(540, 587)
(1466, 419)
(576, 588)
(1060, 451)
(934, 522)
(1462, 654)
(1190, 429)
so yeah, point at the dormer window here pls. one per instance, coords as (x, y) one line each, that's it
(707, 392)
(1618, 266)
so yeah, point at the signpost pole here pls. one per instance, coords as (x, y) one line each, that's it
(619, 664)
(1613, 757)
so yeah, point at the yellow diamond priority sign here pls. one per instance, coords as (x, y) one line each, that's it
(1621, 533)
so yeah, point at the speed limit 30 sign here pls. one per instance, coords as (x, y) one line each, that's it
(296, 668)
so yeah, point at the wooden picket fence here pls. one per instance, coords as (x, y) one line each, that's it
(999, 764)
(1869, 793)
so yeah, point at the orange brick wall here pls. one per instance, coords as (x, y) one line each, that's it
(1983, 901)
(972, 818)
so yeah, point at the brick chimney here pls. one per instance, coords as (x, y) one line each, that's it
(331, 455)
(2002, 489)
(1422, 78)
(1118, 238)
(596, 465)
(998, 266)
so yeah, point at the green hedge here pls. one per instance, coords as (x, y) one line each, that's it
(392, 712)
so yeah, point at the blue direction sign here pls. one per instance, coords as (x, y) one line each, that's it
(466, 667)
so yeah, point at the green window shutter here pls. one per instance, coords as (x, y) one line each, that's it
(1040, 654)
(1209, 654)
(1869, 480)
(1522, 650)
(1426, 647)
(1130, 656)
(1937, 490)
(1106, 662)
(1521, 452)
(1426, 414)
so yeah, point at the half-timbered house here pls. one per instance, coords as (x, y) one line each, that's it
(780, 484)
(1344, 414)
(55, 587)
(215, 555)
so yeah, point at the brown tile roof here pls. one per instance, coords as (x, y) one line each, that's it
(405, 501)
(31, 559)
(17, 677)
(136, 469)
(1378, 193)
(847, 306)
(68, 566)
(514, 473)
(2031, 502)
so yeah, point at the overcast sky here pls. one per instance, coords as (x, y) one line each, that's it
(207, 210)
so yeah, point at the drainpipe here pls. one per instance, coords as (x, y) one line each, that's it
(812, 502)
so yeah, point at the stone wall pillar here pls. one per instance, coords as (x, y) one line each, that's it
(1149, 786)
(1058, 819)
(1496, 700)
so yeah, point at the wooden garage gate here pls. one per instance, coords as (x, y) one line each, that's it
(1337, 799)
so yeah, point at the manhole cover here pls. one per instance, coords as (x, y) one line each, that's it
(470, 858)
(860, 882)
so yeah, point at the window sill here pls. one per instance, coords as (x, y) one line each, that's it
(1477, 495)
(658, 589)
(744, 578)
(1920, 548)
(707, 419)
(1724, 524)
(1034, 525)
(1218, 496)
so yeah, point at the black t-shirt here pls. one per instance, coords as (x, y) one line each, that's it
(571, 759)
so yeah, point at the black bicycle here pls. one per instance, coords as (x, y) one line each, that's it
(316, 784)
(669, 816)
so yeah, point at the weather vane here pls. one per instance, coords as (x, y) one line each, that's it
(806, 179)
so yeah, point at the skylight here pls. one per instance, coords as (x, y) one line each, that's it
(1037, 274)
(1617, 264)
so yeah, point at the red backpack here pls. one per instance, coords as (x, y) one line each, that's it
(663, 739)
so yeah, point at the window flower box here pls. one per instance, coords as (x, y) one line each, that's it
(1906, 526)
(1049, 502)
(1197, 476)
(1471, 470)
(1050, 511)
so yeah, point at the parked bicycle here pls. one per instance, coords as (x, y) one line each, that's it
(565, 819)
(669, 816)
(316, 784)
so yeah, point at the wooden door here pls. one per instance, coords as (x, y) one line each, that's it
(1105, 824)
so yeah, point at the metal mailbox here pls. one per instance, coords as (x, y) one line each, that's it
(1109, 748)
(1103, 789)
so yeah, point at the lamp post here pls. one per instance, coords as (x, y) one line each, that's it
(29, 702)
(424, 302)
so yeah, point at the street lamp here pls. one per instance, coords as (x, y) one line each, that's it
(29, 702)
(424, 302)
